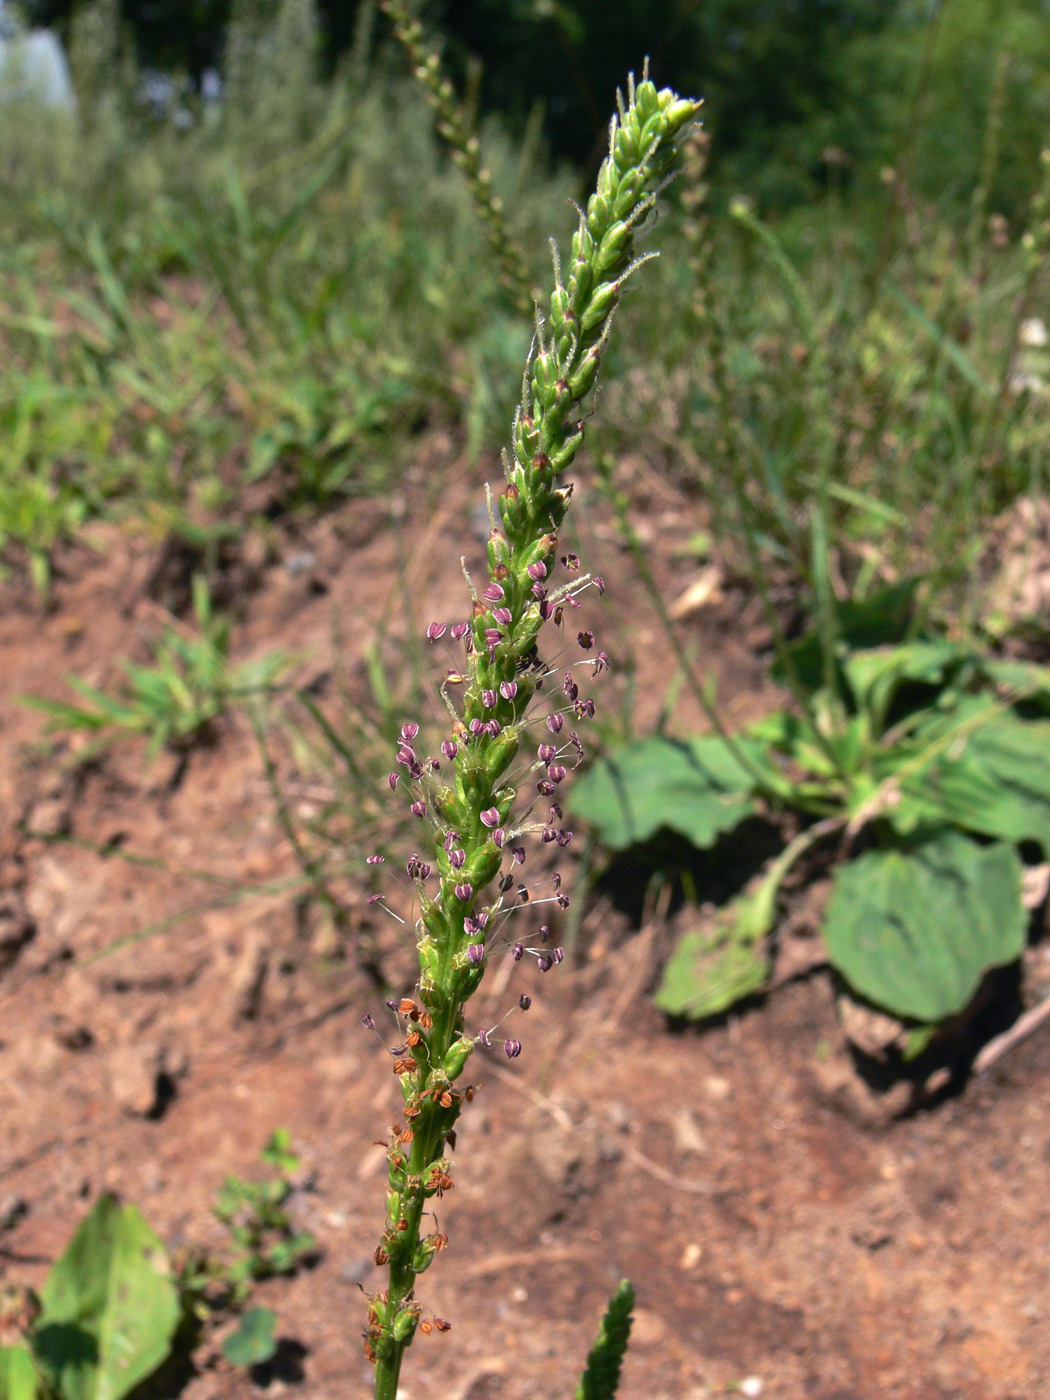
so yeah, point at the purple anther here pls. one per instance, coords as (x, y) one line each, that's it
(490, 817)
(375, 860)
(483, 1038)
(493, 593)
(546, 608)
(458, 630)
(393, 1005)
(554, 813)
(471, 927)
(424, 870)
(435, 630)
(409, 731)
(570, 687)
(476, 953)
(451, 837)
(503, 616)
(512, 1049)
(367, 1022)
(537, 571)
(498, 837)
(564, 837)
(493, 637)
(508, 689)
(415, 770)
(571, 562)
(492, 727)
(523, 893)
(449, 748)
(599, 583)
(405, 755)
(519, 951)
(601, 663)
(475, 727)
(547, 753)
(517, 855)
(547, 835)
(392, 779)
(538, 591)
(584, 707)
(457, 859)
(374, 898)
(454, 677)
(563, 901)
(464, 892)
(556, 773)
(524, 1002)
(554, 723)
(585, 640)
(558, 954)
(545, 789)
(545, 963)
(418, 809)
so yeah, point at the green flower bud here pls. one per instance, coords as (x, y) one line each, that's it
(600, 306)
(627, 195)
(483, 866)
(647, 100)
(625, 148)
(585, 376)
(613, 246)
(458, 1054)
(598, 217)
(448, 806)
(405, 1324)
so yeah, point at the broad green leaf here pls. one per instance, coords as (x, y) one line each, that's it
(709, 972)
(994, 779)
(17, 1374)
(1030, 682)
(110, 1307)
(699, 789)
(253, 1342)
(915, 927)
(881, 619)
(876, 674)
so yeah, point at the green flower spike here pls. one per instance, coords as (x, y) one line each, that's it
(467, 812)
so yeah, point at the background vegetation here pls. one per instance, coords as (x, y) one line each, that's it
(231, 303)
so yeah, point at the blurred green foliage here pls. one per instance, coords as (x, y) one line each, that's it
(786, 81)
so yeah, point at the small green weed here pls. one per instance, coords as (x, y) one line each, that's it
(113, 1308)
(263, 1236)
(175, 701)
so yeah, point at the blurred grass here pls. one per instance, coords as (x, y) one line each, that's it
(214, 310)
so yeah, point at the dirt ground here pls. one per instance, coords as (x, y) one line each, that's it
(156, 1028)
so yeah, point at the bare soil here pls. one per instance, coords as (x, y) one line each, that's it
(157, 1026)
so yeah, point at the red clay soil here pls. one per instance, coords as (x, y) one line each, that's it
(156, 1029)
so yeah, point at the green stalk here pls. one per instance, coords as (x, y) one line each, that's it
(469, 815)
